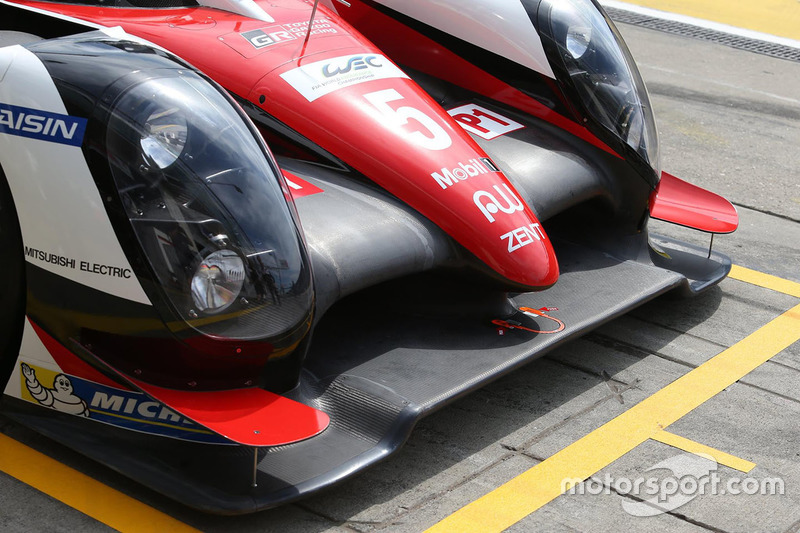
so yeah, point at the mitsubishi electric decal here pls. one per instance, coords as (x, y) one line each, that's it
(41, 125)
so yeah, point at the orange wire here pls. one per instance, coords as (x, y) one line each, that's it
(530, 310)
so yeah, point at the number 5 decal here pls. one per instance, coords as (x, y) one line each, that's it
(436, 137)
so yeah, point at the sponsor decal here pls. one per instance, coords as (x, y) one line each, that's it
(262, 38)
(490, 205)
(299, 187)
(252, 42)
(482, 122)
(122, 408)
(41, 125)
(320, 26)
(523, 236)
(83, 266)
(447, 177)
(353, 63)
(60, 397)
(315, 80)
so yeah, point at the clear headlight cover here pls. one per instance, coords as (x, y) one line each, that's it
(209, 209)
(602, 72)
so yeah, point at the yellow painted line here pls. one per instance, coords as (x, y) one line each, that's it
(792, 288)
(516, 499)
(776, 17)
(682, 443)
(81, 492)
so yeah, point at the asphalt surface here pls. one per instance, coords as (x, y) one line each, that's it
(729, 120)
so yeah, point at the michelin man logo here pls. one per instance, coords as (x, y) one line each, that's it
(61, 397)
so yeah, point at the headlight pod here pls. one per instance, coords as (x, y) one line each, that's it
(594, 62)
(208, 210)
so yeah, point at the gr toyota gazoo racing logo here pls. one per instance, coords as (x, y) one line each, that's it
(262, 38)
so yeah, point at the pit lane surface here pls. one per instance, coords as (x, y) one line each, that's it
(730, 121)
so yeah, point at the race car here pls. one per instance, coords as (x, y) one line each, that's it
(451, 189)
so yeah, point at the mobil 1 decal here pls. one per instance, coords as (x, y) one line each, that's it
(483, 122)
(126, 409)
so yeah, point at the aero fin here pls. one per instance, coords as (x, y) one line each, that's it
(251, 417)
(680, 202)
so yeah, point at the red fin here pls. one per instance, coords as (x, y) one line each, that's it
(688, 205)
(252, 417)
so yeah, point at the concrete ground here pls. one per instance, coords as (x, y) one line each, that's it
(730, 121)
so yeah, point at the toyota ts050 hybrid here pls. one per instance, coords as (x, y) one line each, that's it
(451, 189)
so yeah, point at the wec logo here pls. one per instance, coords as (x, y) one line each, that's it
(41, 125)
(353, 63)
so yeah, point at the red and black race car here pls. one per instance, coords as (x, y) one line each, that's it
(453, 188)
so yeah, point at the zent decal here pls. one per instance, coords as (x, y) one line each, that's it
(323, 77)
(523, 236)
(435, 138)
(490, 206)
(482, 122)
(41, 125)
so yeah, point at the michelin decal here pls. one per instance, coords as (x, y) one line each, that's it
(118, 407)
(61, 397)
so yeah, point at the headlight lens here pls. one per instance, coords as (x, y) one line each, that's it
(217, 281)
(208, 208)
(602, 72)
(578, 39)
(164, 137)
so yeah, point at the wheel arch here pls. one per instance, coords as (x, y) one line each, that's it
(13, 285)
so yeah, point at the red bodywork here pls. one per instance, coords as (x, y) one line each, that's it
(381, 123)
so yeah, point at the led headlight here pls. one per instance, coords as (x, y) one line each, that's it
(165, 137)
(596, 66)
(205, 201)
(578, 38)
(218, 281)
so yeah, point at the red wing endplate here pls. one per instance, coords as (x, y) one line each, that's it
(252, 417)
(688, 205)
